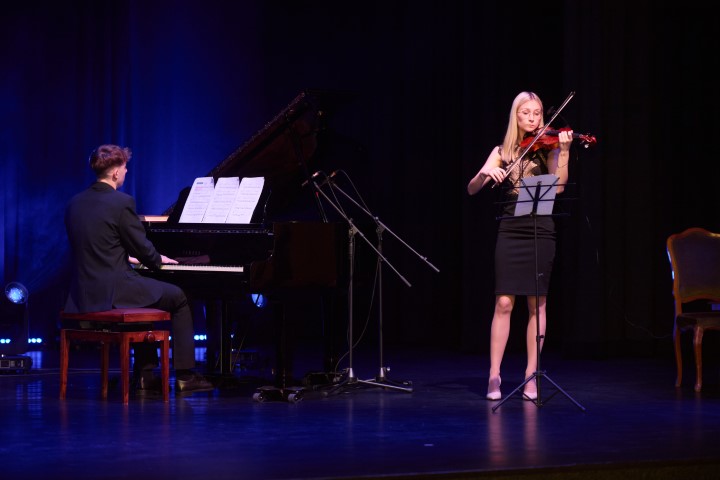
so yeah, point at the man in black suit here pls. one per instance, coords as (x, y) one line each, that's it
(105, 236)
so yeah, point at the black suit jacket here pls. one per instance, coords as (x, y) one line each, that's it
(103, 229)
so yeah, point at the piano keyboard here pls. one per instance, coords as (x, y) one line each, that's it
(196, 268)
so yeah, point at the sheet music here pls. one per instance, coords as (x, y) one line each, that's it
(230, 201)
(246, 200)
(201, 192)
(226, 191)
(545, 198)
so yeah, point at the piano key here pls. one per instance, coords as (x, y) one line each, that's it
(197, 268)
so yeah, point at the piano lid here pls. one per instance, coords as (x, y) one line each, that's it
(283, 152)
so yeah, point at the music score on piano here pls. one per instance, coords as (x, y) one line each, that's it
(196, 268)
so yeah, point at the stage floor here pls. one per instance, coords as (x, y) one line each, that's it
(618, 418)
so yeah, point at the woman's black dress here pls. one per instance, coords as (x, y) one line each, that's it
(515, 248)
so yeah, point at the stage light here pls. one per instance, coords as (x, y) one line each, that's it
(14, 330)
(16, 293)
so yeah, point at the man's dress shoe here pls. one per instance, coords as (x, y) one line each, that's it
(147, 385)
(192, 383)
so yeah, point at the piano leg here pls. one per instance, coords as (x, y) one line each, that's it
(225, 354)
(285, 387)
(284, 361)
(219, 344)
(335, 308)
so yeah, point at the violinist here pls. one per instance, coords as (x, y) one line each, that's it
(515, 265)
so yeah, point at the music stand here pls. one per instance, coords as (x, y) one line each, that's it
(536, 197)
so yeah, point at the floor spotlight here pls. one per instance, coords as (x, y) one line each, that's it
(16, 293)
(14, 329)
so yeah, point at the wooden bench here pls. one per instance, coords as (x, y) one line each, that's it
(121, 326)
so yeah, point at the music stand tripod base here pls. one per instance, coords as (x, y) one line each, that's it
(539, 400)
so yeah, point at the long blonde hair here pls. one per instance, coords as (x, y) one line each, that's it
(512, 135)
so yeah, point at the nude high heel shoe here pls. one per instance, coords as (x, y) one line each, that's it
(494, 388)
(530, 391)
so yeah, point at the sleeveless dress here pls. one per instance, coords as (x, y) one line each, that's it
(516, 246)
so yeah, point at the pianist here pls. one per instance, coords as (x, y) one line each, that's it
(104, 232)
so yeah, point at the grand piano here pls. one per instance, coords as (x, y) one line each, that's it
(289, 248)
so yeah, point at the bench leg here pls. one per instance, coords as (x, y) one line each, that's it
(104, 367)
(64, 347)
(165, 366)
(124, 341)
(125, 367)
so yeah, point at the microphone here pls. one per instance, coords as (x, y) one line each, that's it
(313, 177)
(329, 179)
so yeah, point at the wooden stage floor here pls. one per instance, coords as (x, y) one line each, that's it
(633, 424)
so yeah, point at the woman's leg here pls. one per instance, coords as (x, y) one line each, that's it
(532, 340)
(499, 333)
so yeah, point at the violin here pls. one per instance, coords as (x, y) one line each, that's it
(549, 139)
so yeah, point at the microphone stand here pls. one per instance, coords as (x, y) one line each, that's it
(351, 380)
(382, 380)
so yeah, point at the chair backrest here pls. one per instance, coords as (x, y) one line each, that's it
(695, 261)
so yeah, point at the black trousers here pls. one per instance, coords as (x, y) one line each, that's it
(174, 301)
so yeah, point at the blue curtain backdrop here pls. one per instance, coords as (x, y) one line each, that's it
(429, 85)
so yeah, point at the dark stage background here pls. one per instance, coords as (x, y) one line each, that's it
(424, 92)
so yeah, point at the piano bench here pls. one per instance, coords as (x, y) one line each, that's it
(121, 326)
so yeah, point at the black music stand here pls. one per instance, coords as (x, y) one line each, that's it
(536, 198)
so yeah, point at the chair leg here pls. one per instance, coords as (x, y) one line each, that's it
(678, 356)
(697, 345)
(64, 348)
